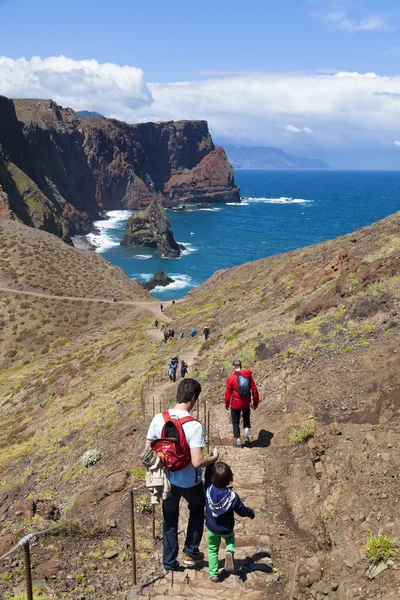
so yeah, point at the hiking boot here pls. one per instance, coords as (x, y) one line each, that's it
(229, 565)
(237, 444)
(192, 561)
(215, 579)
(247, 439)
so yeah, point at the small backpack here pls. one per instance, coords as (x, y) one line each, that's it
(243, 385)
(172, 448)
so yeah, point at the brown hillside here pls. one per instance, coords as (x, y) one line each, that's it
(320, 329)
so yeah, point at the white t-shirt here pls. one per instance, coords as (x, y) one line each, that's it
(189, 476)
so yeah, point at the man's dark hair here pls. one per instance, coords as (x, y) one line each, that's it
(221, 475)
(237, 364)
(187, 390)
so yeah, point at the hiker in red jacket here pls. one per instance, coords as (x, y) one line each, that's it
(240, 394)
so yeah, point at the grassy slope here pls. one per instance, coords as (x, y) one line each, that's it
(337, 365)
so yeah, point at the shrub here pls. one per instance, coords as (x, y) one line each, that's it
(379, 548)
(91, 457)
(303, 434)
(346, 350)
(138, 473)
(144, 505)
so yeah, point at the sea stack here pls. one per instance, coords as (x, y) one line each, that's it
(159, 279)
(151, 228)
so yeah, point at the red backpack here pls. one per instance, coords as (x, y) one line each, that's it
(172, 448)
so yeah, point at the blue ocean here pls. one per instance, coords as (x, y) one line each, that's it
(280, 211)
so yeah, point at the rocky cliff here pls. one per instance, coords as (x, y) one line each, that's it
(57, 170)
(151, 228)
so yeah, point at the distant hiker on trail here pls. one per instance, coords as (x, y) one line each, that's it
(171, 333)
(184, 473)
(221, 504)
(181, 335)
(184, 368)
(172, 368)
(162, 307)
(166, 336)
(193, 333)
(240, 394)
(206, 332)
(156, 323)
(173, 301)
(162, 324)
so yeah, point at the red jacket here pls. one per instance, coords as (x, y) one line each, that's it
(232, 396)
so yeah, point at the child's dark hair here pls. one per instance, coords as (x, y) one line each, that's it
(221, 475)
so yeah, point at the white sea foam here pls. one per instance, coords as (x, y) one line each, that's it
(188, 246)
(281, 200)
(241, 203)
(180, 282)
(104, 240)
(144, 276)
(192, 233)
(141, 256)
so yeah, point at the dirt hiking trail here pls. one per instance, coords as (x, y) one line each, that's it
(255, 468)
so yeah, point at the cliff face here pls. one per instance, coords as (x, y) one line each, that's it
(76, 167)
(151, 229)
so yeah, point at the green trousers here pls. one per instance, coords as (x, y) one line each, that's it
(213, 542)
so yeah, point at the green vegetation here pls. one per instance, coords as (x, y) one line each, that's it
(303, 433)
(140, 474)
(379, 548)
(144, 505)
(346, 350)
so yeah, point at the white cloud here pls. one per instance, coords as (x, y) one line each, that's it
(397, 143)
(341, 111)
(82, 84)
(341, 20)
(291, 129)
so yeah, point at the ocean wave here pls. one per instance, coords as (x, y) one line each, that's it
(141, 256)
(143, 276)
(101, 241)
(181, 282)
(241, 203)
(281, 200)
(188, 246)
(104, 240)
(115, 218)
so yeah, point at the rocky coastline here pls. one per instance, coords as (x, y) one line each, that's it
(57, 171)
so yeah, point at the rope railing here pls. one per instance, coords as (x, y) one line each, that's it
(24, 542)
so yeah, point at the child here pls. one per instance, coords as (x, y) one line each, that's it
(184, 369)
(221, 504)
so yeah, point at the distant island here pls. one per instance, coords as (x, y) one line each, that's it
(259, 157)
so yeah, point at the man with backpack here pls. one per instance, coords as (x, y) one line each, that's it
(240, 394)
(178, 440)
(206, 333)
(172, 368)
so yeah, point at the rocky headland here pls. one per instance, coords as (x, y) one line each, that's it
(151, 228)
(57, 171)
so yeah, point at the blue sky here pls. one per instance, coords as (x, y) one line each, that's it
(240, 65)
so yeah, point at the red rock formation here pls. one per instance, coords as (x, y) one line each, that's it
(74, 167)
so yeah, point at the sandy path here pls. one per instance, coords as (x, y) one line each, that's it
(153, 307)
